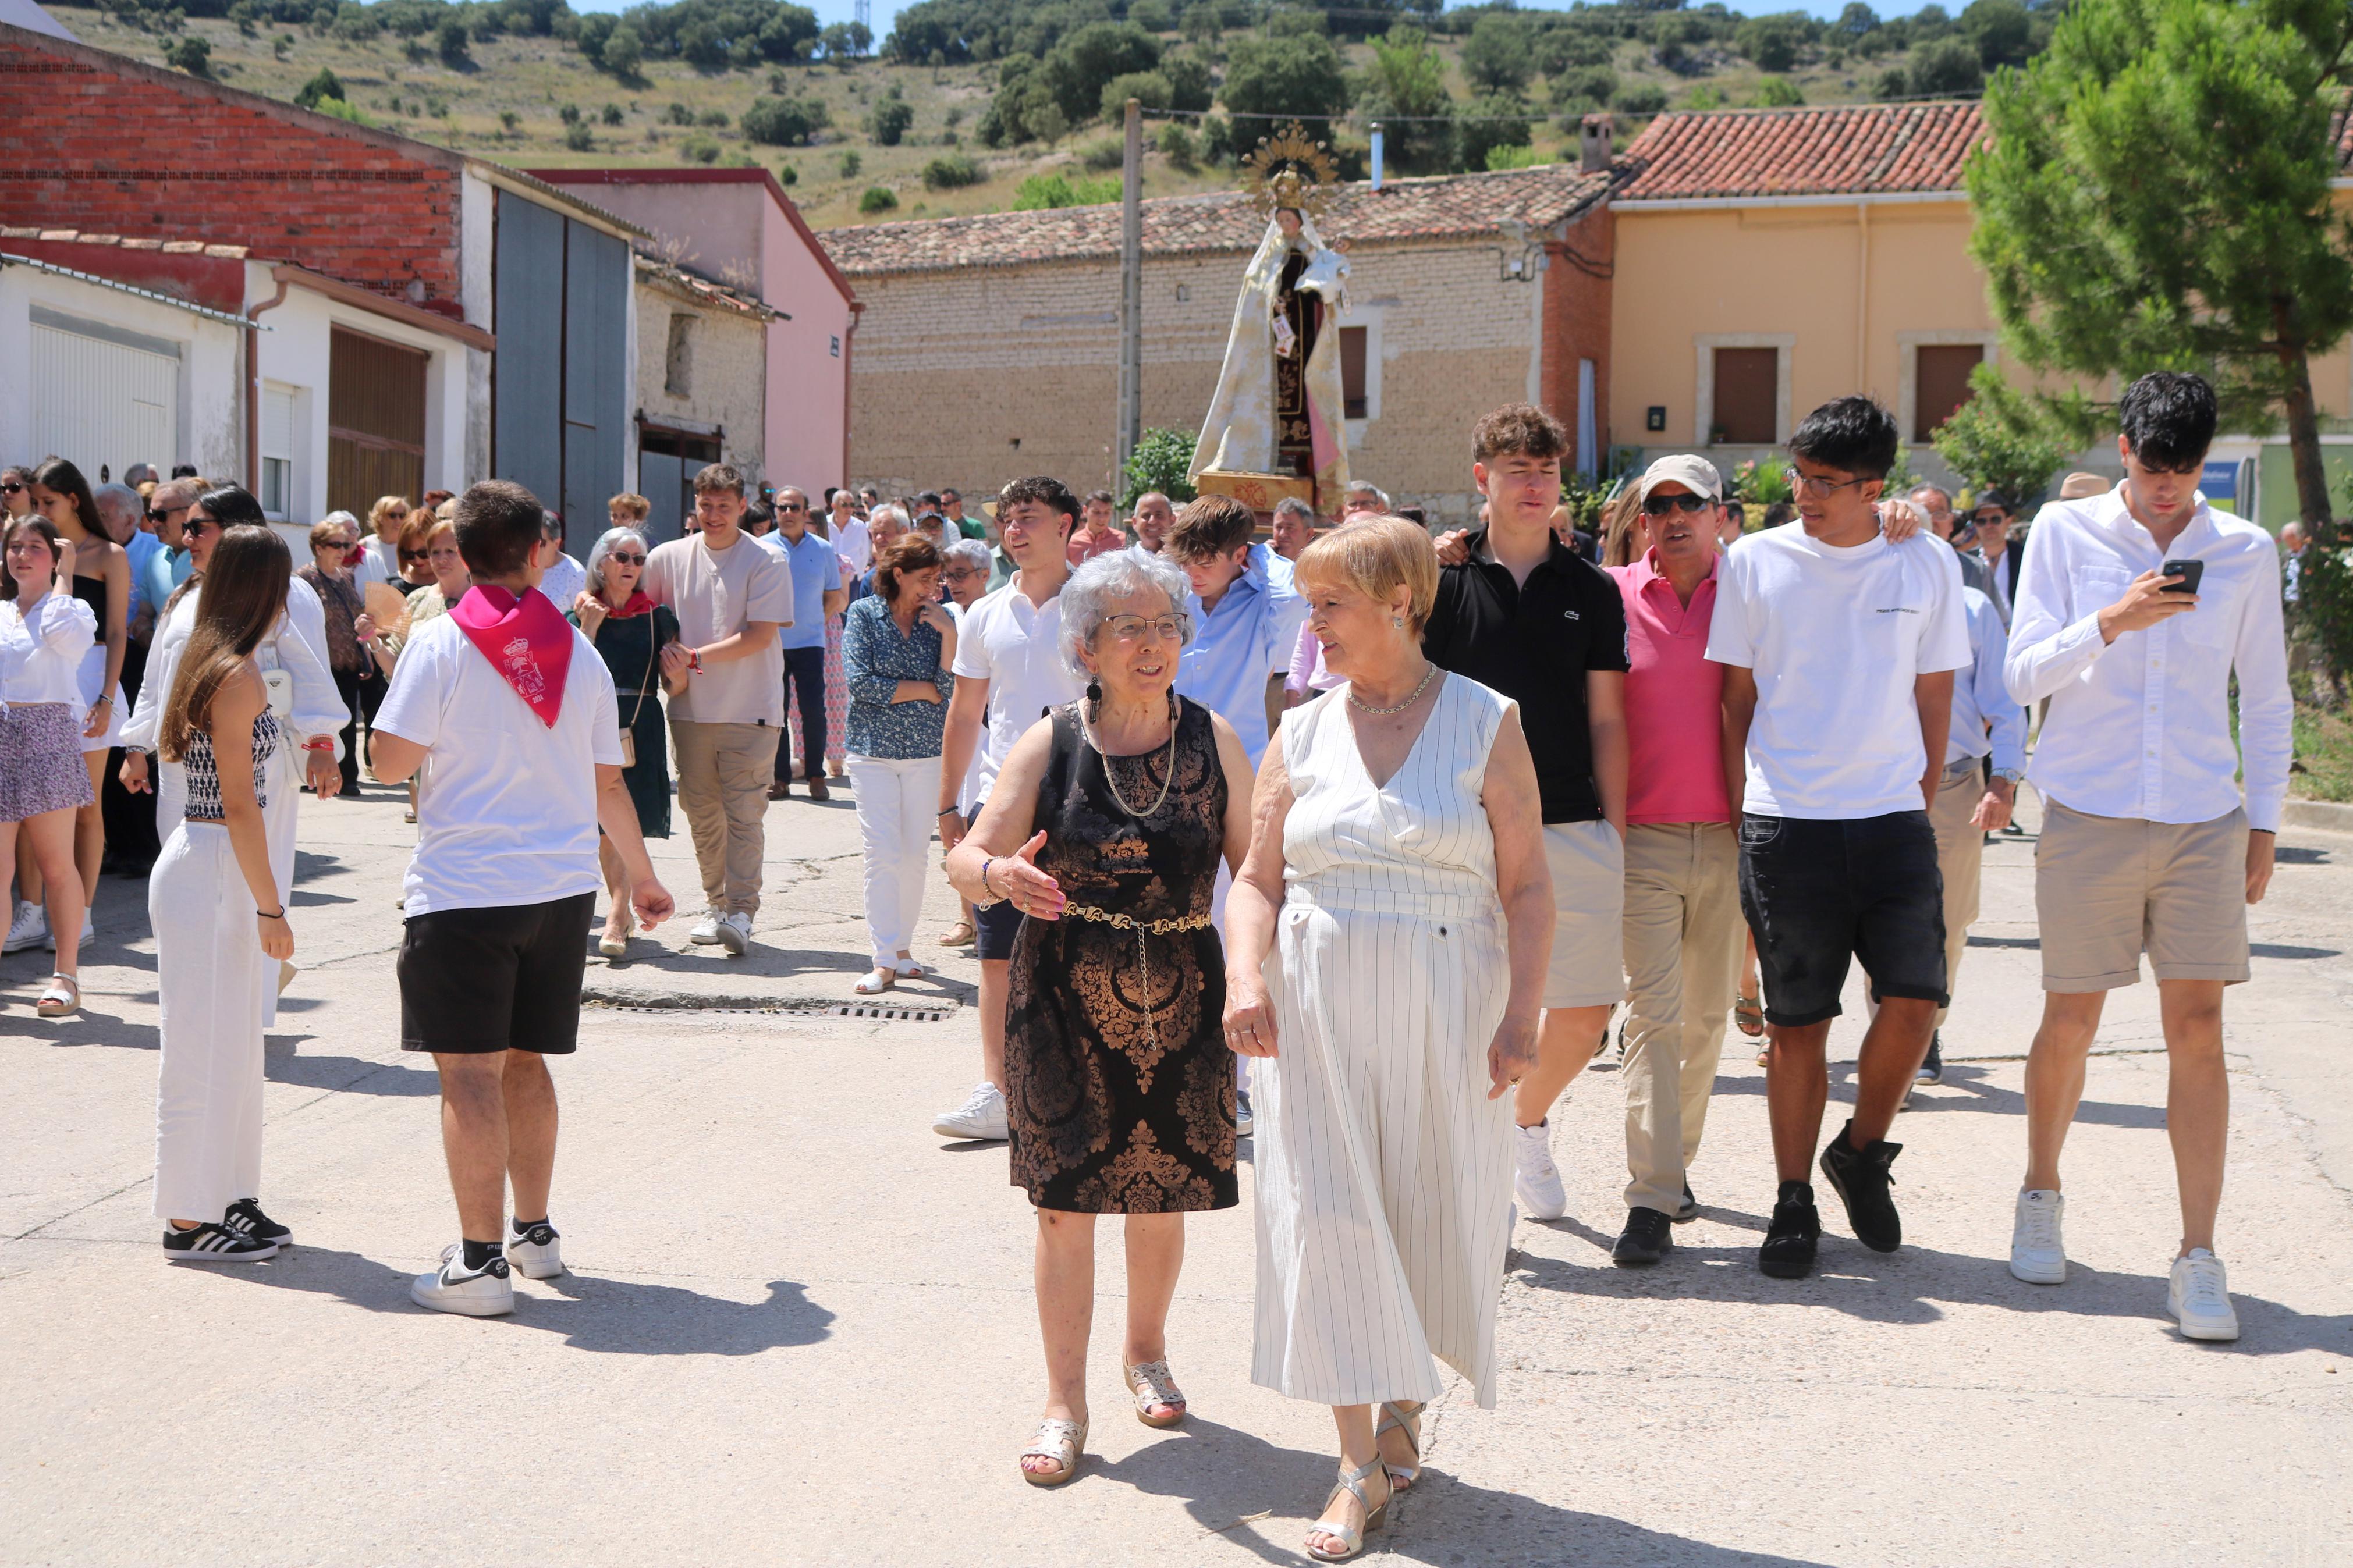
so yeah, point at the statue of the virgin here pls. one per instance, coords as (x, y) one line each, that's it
(1279, 408)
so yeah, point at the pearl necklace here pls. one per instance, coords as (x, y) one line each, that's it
(1362, 707)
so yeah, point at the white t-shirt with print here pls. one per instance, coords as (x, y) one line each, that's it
(506, 806)
(1836, 635)
(1015, 647)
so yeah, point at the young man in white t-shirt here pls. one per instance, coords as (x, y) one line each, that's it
(519, 765)
(2147, 844)
(731, 597)
(1838, 651)
(1008, 663)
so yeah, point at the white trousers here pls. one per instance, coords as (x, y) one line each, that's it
(284, 785)
(209, 980)
(897, 799)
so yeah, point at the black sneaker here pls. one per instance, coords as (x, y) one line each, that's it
(245, 1218)
(1861, 1180)
(1932, 1070)
(211, 1244)
(1790, 1240)
(1643, 1241)
(1689, 1209)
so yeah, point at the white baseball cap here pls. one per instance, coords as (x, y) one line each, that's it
(1695, 474)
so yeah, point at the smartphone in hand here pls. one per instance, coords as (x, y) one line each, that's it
(2189, 572)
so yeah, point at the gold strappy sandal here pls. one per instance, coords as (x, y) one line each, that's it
(1152, 1383)
(1351, 1540)
(1061, 1441)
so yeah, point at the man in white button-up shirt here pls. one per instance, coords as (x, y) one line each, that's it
(2146, 843)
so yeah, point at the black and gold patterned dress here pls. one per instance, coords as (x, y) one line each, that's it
(1118, 1083)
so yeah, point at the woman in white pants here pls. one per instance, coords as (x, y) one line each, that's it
(896, 646)
(215, 905)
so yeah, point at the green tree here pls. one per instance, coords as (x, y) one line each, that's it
(2155, 194)
(1493, 123)
(624, 51)
(2001, 439)
(1778, 92)
(952, 171)
(1773, 42)
(878, 199)
(780, 122)
(326, 84)
(191, 54)
(1158, 463)
(1948, 67)
(1282, 78)
(449, 41)
(888, 121)
(1496, 56)
(1404, 89)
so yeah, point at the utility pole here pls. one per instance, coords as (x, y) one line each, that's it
(1131, 295)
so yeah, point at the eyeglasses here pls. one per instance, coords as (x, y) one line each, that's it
(962, 573)
(1173, 627)
(617, 558)
(1800, 482)
(12, 488)
(790, 506)
(414, 554)
(1659, 506)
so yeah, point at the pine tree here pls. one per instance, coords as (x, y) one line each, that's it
(2156, 196)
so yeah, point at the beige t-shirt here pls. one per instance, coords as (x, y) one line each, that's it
(715, 594)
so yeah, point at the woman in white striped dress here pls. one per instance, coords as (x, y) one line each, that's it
(1397, 853)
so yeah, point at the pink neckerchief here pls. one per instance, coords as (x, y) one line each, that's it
(526, 640)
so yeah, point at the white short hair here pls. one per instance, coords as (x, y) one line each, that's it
(894, 509)
(607, 542)
(971, 552)
(1114, 574)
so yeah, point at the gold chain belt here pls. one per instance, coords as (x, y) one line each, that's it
(1129, 923)
(1143, 957)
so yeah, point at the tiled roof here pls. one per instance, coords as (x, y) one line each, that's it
(166, 246)
(707, 290)
(1440, 208)
(1846, 150)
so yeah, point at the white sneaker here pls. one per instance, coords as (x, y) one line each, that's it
(2036, 1254)
(734, 934)
(88, 934)
(2198, 1297)
(1535, 1180)
(29, 929)
(536, 1253)
(1243, 1121)
(981, 1117)
(706, 930)
(484, 1292)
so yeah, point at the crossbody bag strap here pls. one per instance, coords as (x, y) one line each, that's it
(653, 657)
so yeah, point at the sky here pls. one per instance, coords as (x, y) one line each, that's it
(884, 10)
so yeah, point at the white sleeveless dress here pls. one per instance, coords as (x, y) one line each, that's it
(1382, 1171)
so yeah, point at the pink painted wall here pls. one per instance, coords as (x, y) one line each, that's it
(737, 224)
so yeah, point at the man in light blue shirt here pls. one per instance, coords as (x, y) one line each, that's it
(817, 596)
(163, 570)
(1246, 615)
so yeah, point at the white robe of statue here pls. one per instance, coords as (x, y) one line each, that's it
(1239, 435)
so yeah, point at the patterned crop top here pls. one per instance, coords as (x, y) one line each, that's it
(203, 770)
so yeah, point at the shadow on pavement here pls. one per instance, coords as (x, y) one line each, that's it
(1977, 1093)
(1907, 1286)
(1226, 1477)
(282, 1063)
(613, 1317)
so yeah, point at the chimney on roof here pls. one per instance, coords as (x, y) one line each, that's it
(1596, 134)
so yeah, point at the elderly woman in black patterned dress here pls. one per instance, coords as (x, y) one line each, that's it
(1105, 829)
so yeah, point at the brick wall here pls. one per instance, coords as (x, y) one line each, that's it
(106, 145)
(977, 376)
(1577, 276)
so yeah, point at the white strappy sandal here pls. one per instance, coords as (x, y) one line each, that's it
(1351, 1540)
(1061, 1441)
(1152, 1383)
(1396, 1418)
(61, 996)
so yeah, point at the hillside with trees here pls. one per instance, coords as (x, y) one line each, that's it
(981, 105)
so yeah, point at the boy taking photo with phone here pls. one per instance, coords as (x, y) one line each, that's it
(2135, 609)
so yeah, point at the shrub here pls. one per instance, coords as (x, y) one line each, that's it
(888, 121)
(1110, 153)
(509, 120)
(680, 114)
(1505, 157)
(1580, 90)
(712, 120)
(613, 115)
(1042, 192)
(1493, 122)
(788, 175)
(878, 199)
(326, 84)
(579, 139)
(569, 113)
(1159, 463)
(703, 149)
(1178, 145)
(623, 52)
(951, 171)
(337, 109)
(1640, 97)
(1948, 67)
(192, 55)
(449, 40)
(1778, 92)
(777, 122)
(851, 164)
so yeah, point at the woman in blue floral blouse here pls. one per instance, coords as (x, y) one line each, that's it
(896, 647)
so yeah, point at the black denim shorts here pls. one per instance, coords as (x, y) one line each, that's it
(473, 980)
(1818, 892)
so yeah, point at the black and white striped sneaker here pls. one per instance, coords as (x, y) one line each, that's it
(212, 1244)
(244, 1217)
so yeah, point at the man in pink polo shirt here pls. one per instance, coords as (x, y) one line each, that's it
(1683, 916)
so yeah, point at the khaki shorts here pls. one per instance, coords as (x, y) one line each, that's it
(2107, 888)
(1589, 926)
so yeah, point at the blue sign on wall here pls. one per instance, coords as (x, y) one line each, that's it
(2221, 481)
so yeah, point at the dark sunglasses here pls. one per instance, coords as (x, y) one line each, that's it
(790, 506)
(198, 524)
(12, 488)
(1659, 506)
(414, 554)
(619, 559)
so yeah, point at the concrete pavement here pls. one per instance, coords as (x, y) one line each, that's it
(798, 1330)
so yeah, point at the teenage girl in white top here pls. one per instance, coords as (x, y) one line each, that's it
(45, 632)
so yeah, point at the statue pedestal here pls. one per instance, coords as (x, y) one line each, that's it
(1260, 493)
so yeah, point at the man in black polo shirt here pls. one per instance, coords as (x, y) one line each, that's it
(1525, 615)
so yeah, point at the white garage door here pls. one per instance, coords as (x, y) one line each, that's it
(103, 395)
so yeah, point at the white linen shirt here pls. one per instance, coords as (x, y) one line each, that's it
(41, 654)
(1015, 647)
(2141, 727)
(297, 645)
(1980, 697)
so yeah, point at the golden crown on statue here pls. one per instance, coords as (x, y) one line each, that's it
(1290, 169)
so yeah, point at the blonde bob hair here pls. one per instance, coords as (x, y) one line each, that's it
(1375, 556)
